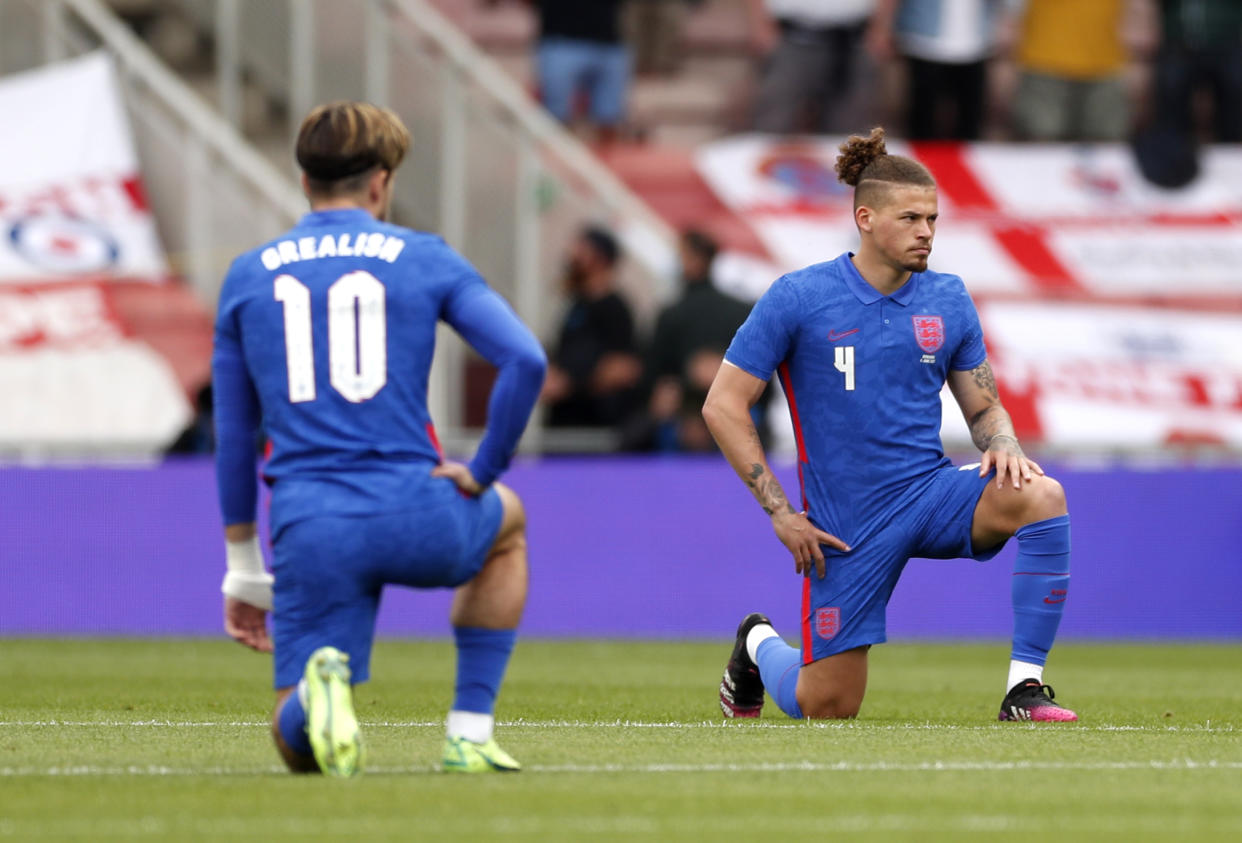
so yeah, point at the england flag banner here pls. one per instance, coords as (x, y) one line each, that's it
(1024, 219)
(72, 203)
(84, 367)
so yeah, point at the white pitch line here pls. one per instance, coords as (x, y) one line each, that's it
(634, 724)
(794, 766)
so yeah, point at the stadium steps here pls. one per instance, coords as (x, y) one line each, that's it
(665, 176)
(708, 97)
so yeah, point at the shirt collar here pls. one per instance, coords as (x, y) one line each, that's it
(336, 216)
(867, 294)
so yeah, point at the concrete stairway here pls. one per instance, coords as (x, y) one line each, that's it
(707, 97)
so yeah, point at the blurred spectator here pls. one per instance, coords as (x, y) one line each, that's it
(594, 372)
(1071, 61)
(946, 46)
(653, 29)
(817, 77)
(199, 436)
(581, 52)
(688, 346)
(1200, 51)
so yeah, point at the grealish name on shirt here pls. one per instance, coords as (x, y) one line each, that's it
(365, 245)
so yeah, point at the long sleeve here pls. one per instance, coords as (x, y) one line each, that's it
(236, 412)
(486, 321)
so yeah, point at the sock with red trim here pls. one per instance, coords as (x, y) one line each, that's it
(1040, 585)
(778, 667)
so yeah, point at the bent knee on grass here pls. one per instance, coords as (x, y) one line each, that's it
(831, 708)
(832, 688)
(295, 761)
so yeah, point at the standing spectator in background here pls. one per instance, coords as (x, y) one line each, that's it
(946, 46)
(653, 29)
(581, 51)
(686, 351)
(817, 77)
(592, 380)
(199, 436)
(1071, 62)
(1200, 49)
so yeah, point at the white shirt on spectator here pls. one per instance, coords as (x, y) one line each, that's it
(821, 14)
(947, 31)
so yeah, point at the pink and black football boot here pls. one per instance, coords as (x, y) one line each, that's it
(1032, 700)
(741, 689)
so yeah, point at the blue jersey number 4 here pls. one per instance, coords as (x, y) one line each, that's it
(844, 363)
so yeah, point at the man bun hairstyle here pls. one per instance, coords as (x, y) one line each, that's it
(865, 165)
(341, 142)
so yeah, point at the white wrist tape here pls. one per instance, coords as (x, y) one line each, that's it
(247, 580)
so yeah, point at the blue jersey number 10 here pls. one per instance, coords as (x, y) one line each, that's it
(357, 336)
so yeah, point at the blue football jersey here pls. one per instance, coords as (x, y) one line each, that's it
(327, 332)
(863, 374)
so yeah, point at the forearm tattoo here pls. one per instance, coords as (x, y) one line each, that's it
(992, 421)
(767, 490)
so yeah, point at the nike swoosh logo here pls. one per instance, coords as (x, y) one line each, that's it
(834, 336)
(1050, 600)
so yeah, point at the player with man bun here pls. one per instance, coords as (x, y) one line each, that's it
(863, 345)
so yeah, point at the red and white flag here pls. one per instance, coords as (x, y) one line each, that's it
(1112, 308)
(82, 273)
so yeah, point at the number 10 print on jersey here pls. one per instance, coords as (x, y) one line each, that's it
(357, 336)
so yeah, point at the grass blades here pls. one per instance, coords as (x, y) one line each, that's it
(168, 739)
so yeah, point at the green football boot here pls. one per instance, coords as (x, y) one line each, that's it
(463, 756)
(330, 721)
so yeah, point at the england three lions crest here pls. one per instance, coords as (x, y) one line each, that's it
(929, 332)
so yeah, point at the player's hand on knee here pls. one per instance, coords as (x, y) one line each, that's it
(1005, 455)
(247, 624)
(805, 541)
(460, 475)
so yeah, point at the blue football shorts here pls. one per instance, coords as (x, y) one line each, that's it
(330, 570)
(930, 519)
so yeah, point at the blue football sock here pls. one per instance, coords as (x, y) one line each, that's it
(292, 725)
(482, 656)
(1040, 585)
(778, 668)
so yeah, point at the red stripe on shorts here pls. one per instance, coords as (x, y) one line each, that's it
(807, 655)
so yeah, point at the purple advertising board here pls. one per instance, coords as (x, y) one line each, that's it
(625, 547)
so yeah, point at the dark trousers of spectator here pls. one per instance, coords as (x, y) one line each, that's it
(1180, 72)
(816, 80)
(945, 101)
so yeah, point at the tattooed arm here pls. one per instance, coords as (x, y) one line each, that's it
(727, 414)
(990, 425)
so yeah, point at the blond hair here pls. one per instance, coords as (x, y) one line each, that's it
(341, 142)
(865, 165)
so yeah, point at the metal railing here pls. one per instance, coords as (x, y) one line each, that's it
(491, 171)
(210, 191)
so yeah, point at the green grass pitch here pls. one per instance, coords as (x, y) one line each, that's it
(167, 739)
